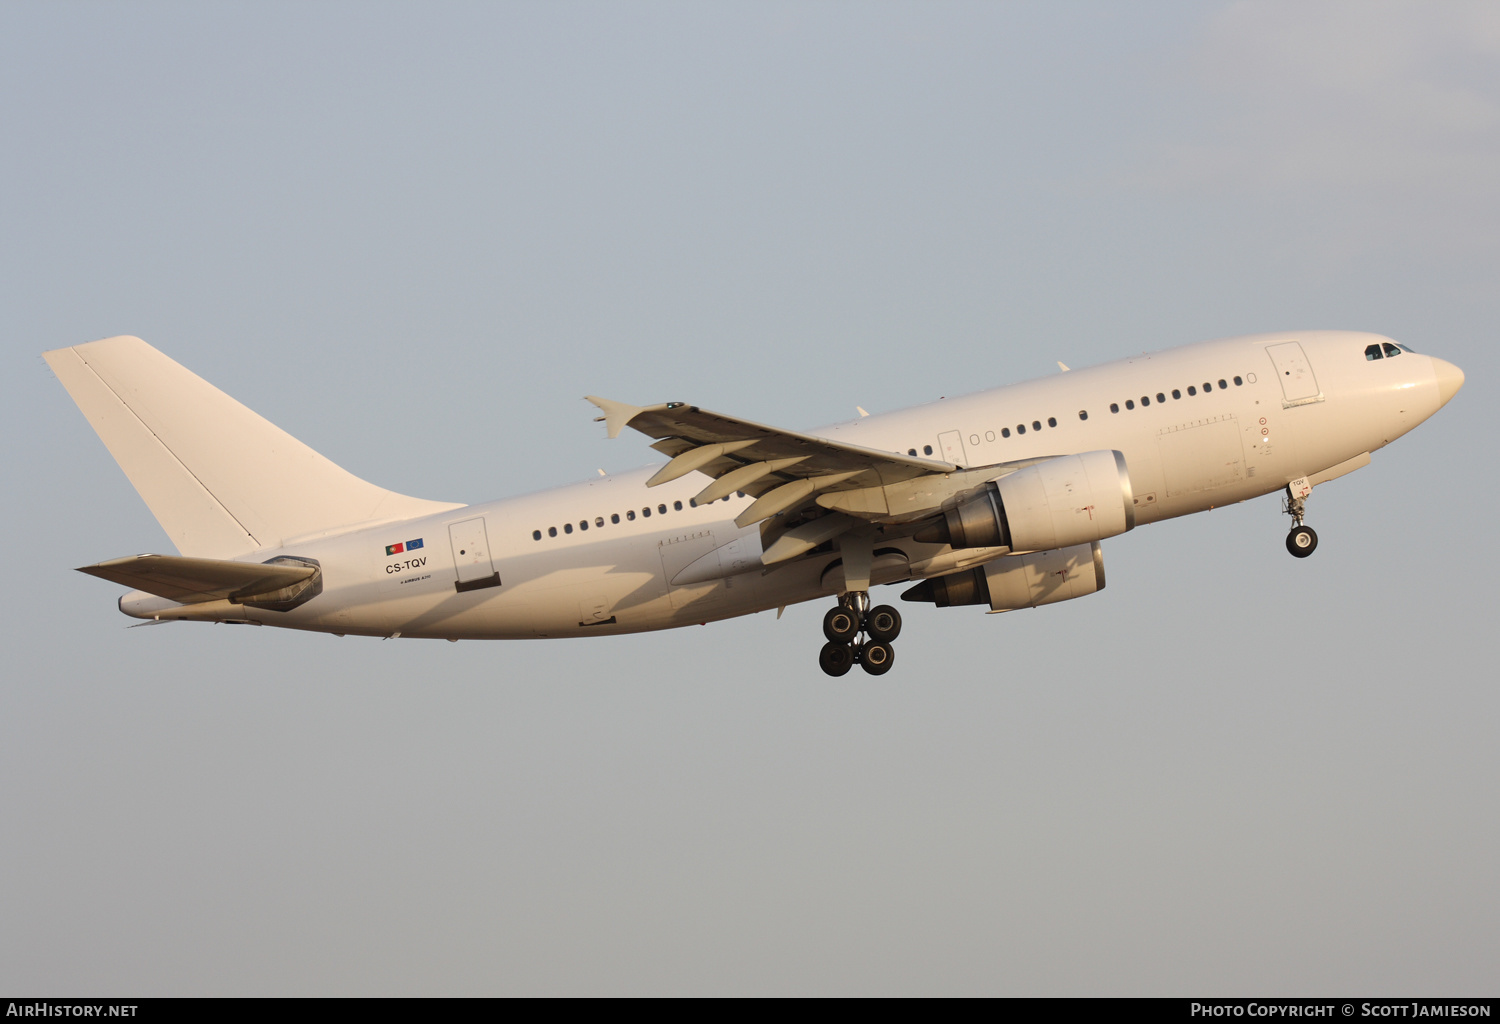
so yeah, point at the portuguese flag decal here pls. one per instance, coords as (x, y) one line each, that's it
(396, 549)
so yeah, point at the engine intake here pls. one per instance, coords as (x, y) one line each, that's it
(1058, 503)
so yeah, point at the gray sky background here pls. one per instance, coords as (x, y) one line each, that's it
(415, 235)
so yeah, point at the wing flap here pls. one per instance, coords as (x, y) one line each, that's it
(760, 460)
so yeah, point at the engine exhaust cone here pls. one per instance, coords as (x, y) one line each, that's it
(947, 591)
(933, 533)
(921, 592)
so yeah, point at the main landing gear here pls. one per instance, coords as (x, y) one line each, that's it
(1302, 541)
(853, 618)
(843, 626)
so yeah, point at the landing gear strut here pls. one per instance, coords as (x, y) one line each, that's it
(843, 626)
(1302, 541)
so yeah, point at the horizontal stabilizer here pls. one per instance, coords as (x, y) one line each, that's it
(194, 580)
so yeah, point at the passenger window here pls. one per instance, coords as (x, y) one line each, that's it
(1036, 424)
(552, 531)
(1020, 428)
(1145, 401)
(1238, 382)
(646, 512)
(677, 505)
(927, 449)
(740, 493)
(662, 509)
(1176, 393)
(567, 527)
(1207, 387)
(1114, 407)
(1223, 384)
(536, 534)
(1391, 350)
(1083, 414)
(1004, 431)
(1192, 390)
(614, 517)
(1372, 352)
(583, 524)
(599, 521)
(1160, 397)
(1051, 421)
(911, 451)
(630, 515)
(1130, 403)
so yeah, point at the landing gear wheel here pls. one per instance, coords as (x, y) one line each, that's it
(836, 658)
(1302, 541)
(840, 625)
(877, 658)
(883, 623)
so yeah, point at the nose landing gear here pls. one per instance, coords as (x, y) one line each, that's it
(1302, 541)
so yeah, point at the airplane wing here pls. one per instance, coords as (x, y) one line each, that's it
(782, 469)
(195, 580)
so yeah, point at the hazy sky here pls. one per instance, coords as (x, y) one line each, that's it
(415, 235)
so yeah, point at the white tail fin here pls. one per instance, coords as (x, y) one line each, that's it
(221, 480)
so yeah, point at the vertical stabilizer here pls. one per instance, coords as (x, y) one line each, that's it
(221, 480)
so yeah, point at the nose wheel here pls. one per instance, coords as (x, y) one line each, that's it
(859, 634)
(1302, 541)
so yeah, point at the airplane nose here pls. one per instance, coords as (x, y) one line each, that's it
(1449, 379)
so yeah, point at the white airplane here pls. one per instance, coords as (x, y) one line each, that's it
(999, 498)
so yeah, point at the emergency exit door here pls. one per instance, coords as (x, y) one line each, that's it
(1298, 385)
(471, 555)
(952, 443)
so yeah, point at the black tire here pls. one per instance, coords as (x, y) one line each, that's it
(883, 623)
(1302, 541)
(840, 625)
(877, 658)
(835, 658)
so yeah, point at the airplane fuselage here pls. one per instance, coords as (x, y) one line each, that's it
(1198, 426)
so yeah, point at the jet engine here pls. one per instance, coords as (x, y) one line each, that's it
(1057, 503)
(1019, 581)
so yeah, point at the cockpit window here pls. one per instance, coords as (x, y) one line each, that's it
(1391, 350)
(1372, 352)
(1406, 348)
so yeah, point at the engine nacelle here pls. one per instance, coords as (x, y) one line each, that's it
(1019, 581)
(1058, 503)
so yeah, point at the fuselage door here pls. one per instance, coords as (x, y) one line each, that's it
(1298, 385)
(471, 555)
(953, 448)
